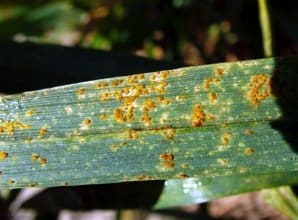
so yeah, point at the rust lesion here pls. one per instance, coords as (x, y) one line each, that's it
(219, 71)
(258, 89)
(30, 113)
(226, 138)
(249, 151)
(3, 155)
(43, 131)
(167, 160)
(182, 176)
(42, 161)
(132, 134)
(81, 92)
(9, 127)
(212, 97)
(207, 82)
(169, 133)
(198, 116)
(248, 132)
(34, 157)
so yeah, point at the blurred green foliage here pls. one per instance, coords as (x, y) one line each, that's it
(194, 32)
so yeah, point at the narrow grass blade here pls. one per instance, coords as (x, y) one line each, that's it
(215, 120)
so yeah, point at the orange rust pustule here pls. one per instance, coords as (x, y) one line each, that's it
(169, 133)
(86, 122)
(132, 134)
(167, 160)
(212, 97)
(248, 132)
(249, 151)
(119, 115)
(42, 132)
(9, 127)
(198, 116)
(43, 161)
(219, 71)
(258, 89)
(207, 82)
(113, 147)
(103, 116)
(100, 85)
(182, 175)
(116, 82)
(29, 113)
(34, 157)
(226, 138)
(3, 155)
(80, 92)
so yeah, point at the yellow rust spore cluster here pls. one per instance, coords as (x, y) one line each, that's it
(9, 127)
(258, 89)
(226, 138)
(167, 160)
(128, 91)
(3, 155)
(198, 116)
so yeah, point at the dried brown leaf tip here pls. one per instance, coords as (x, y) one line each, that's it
(167, 160)
(198, 116)
(258, 89)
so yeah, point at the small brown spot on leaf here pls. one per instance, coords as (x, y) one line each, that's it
(105, 96)
(43, 161)
(182, 175)
(86, 123)
(167, 160)
(226, 138)
(207, 82)
(219, 71)
(249, 151)
(29, 113)
(80, 92)
(34, 156)
(113, 147)
(3, 155)
(222, 162)
(117, 82)
(248, 132)
(132, 134)
(212, 97)
(100, 85)
(42, 132)
(103, 117)
(169, 133)
(198, 116)
(11, 181)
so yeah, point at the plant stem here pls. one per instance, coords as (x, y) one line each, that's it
(265, 23)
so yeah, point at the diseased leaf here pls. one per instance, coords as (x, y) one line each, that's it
(228, 119)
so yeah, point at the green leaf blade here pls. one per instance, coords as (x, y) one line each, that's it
(213, 120)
